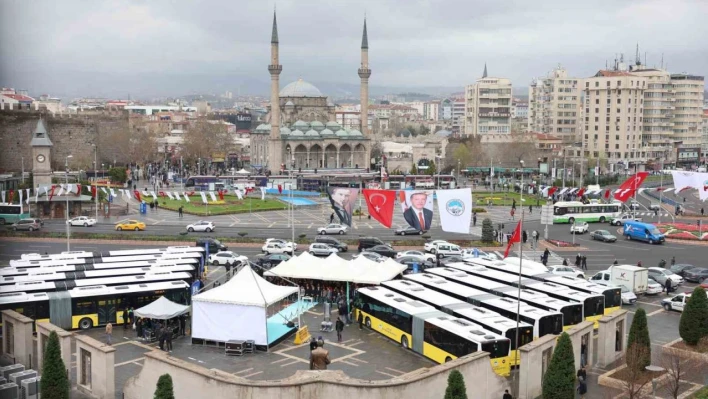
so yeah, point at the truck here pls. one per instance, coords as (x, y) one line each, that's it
(634, 278)
(639, 231)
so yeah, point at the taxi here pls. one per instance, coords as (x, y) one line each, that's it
(130, 225)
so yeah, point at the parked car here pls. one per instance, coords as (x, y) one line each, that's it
(289, 244)
(677, 302)
(470, 253)
(446, 249)
(414, 264)
(333, 228)
(420, 255)
(654, 207)
(272, 260)
(82, 221)
(369, 242)
(384, 250)
(130, 225)
(407, 231)
(428, 246)
(277, 248)
(619, 220)
(579, 228)
(201, 225)
(569, 271)
(371, 256)
(653, 287)
(603, 235)
(26, 224)
(320, 249)
(661, 275)
(333, 242)
(681, 268)
(211, 244)
(227, 258)
(628, 297)
(696, 275)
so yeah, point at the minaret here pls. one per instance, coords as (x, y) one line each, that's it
(275, 152)
(364, 73)
(484, 74)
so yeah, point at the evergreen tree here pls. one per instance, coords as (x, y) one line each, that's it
(455, 386)
(414, 169)
(55, 381)
(487, 230)
(639, 335)
(432, 169)
(559, 380)
(694, 319)
(164, 388)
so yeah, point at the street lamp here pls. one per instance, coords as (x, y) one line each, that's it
(95, 175)
(66, 175)
(521, 256)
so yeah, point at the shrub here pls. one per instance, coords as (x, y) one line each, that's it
(639, 335)
(302, 236)
(694, 319)
(242, 234)
(559, 381)
(479, 210)
(455, 386)
(55, 382)
(164, 388)
(487, 230)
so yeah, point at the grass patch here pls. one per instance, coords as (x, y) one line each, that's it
(230, 205)
(701, 393)
(505, 198)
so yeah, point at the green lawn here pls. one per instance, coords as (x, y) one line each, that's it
(231, 205)
(504, 198)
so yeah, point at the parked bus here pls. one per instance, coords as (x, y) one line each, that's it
(100, 260)
(433, 334)
(127, 252)
(459, 284)
(52, 286)
(11, 213)
(488, 320)
(201, 183)
(52, 275)
(63, 268)
(572, 211)
(88, 307)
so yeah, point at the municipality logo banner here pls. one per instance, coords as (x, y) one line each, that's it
(455, 209)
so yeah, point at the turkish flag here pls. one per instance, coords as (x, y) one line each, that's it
(630, 186)
(137, 195)
(551, 191)
(51, 195)
(581, 192)
(78, 190)
(607, 194)
(221, 195)
(93, 191)
(516, 237)
(380, 204)
(280, 189)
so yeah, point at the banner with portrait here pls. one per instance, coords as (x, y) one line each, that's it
(343, 200)
(417, 206)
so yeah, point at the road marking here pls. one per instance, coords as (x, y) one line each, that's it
(358, 360)
(281, 360)
(242, 371)
(310, 226)
(288, 364)
(129, 361)
(390, 375)
(649, 303)
(271, 225)
(394, 370)
(655, 312)
(355, 343)
(349, 363)
(252, 374)
(314, 313)
(349, 340)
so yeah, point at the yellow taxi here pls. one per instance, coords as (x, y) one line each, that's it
(130, 225)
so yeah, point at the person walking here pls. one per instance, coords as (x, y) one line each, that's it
(584, 263)
(667, 286)
(582, 387)
(331, 217)
(313, 346)
(474, 219)
(639, 263)
(319, 358)
(511, 212)
(565, 262)
(168, 338)
(578, 259)
(109, 333)
(507, 395)
(673, 260)
(339, 326)
(525, 236)
(161, 336)
(702, 211)
(182, 325)
(180, 212)
(530, 209)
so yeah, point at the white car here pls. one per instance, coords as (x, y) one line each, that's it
(618, 221)
(333, 228)
(201, 225)
(446, 249)
(82, 221)
(319, 249)
(227, 258)
(469, 253)
(566, 271)
(428, 246)
(289, 244)
(579, 228)
(628, 297)
(653, 288)
(676, 303)
(277, 248)
(416, 254)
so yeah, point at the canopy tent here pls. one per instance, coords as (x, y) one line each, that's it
(162, 309)
(238, 309)
(243, 172)
(333, 268)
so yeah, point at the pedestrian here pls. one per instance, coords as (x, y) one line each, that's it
(582, 387)
(702, 211)
(131, 316)
(546, 254)
(126, 319)
(109, 333)
(168, 338)
(584, 263)
(673, 260)
(662, 263)
(474, 219)
(525, 236)
(615, 262)
(182, 325)
(667, 286)
(313, 345)
(331, 217)
(339, 326)
(565, 262)
(507, 395)
(180, 211)
(578, 259)
(139, 328)
(530, 209)
(639, 263)
(319, 358)
(511, 212)
(160, 332)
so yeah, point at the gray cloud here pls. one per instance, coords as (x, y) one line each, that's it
(170, 47)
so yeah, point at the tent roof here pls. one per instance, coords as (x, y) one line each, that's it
(162, 309)
(243, 172)
(246, 288)
(333, 268)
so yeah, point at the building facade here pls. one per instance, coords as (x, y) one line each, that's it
(657, 127)
(555, 105)
(688, 93)
(488, 106)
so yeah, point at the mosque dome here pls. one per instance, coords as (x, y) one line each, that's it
(312, 133)
(301, 125)
(404, 133)
(297, 133)
(333, 126)
(284, 131)
(317, 125)
(326, 132)
(341, 133)
(300, 88)
(355, 132)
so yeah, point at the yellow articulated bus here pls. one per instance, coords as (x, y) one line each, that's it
(431, 333)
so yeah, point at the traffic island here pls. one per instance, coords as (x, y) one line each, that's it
(640, 383)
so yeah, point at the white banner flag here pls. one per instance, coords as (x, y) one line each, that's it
(61, 190)
(169, 195)
(263, 190)
(684, 179)
(239, 194)
(28, 196)
(36, 194)
(203, 194)
(186, 197)
(69, 189)
(104, 190)
(455, 209)
(563, 191)
(3, 196)
(702, 185)
(145, 193)
(213, 197)
(154, 196)
(177, 197)
(20, 191)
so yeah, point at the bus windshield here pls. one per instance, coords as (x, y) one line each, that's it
(496, 349)
(613, 298)
(594, 306)
(525, 337)
(572, 314)
(550, 325)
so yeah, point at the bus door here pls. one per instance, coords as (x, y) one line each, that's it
(107, 311)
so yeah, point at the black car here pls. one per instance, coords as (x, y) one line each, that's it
(272, 260)
(696, 275)
(408, 231)
(681, 268)
(332, 242)
(384, 250)
(212, 244)
(412, 261)
(369, 242)
(450, 259)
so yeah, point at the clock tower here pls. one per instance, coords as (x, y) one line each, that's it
(41, 156)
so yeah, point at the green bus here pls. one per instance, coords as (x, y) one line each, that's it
(11, 213)
(576, 211)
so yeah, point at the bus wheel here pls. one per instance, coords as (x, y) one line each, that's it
(628, 237)
(367, 321)
(404, 342)
(85, 323)
(2, 221)
(602, 219)
(571, 220)
(448, 359)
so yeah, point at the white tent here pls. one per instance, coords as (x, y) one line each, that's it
(243, 172)
(237, 310)
(162, 309)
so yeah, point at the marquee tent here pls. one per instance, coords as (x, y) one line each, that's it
(162, 309)
(238, 309)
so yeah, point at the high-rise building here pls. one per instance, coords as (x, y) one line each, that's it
(688, 108)
(458, 115)
(657, 127)
(445, 110)
(555, 105)
(431, 110)
(487, 106)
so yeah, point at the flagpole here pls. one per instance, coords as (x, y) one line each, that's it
(518, 290)
(661, 190)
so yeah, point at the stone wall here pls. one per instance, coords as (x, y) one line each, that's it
(71, 134)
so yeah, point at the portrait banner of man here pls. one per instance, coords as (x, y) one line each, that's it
(343, 200)
(418, 209)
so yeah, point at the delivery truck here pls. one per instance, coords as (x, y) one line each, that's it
(634, 278)
(635, 230)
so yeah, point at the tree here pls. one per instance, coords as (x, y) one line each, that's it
(559, 380)
(414, 169)
(55, 381)
(118, 175)
(694, 319)
(487, 230)
(635, 380)
(432, 169)
(455, 386)
(461, 155)
(205, 139)
(639, 335)
(164, 388)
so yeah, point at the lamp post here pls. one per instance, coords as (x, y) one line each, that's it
(23, 170)
(66, 175)
(95, 175)
(292, 204)
(518, 291)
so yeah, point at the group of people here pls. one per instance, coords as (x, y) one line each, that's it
(319, 356)
(161, 330)
(581, 262)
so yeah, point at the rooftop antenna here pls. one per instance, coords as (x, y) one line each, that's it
(637, 60)
(645, 58)
(662, 60)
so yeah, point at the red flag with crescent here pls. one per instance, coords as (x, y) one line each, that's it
(380, 204)
(630, 186)
(93, 191)
(581, 192)
(551, 191)
(516, 237)
(137, 195)
(11, 196)
(221, 195)
(607, 194)
(51, 195)
(280, 189)
(78, 190)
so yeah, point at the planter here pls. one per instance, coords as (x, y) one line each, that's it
(608, 380)
(678, 348)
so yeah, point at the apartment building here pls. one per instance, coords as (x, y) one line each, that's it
(431, 110)
(688, 108)
(445, 110)
(458, 115)
(488, 106)
(657, 128)
(555, 105)
(704, 141)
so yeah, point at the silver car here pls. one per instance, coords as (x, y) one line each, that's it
(333, 228)
(26, 224)
(319, 249)
(201, 225)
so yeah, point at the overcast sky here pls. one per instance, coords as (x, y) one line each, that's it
(116, 48)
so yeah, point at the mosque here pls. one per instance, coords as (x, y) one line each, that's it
(302, 131)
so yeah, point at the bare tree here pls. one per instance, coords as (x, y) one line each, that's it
(205, 139)
(676, 368)
(635, 380)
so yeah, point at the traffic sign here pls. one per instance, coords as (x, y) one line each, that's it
(547, 214)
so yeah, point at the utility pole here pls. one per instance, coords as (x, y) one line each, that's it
(23, 170)
(518, 291)
(661, 190)
(95, 175)
(66, 175)
(564, 167)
